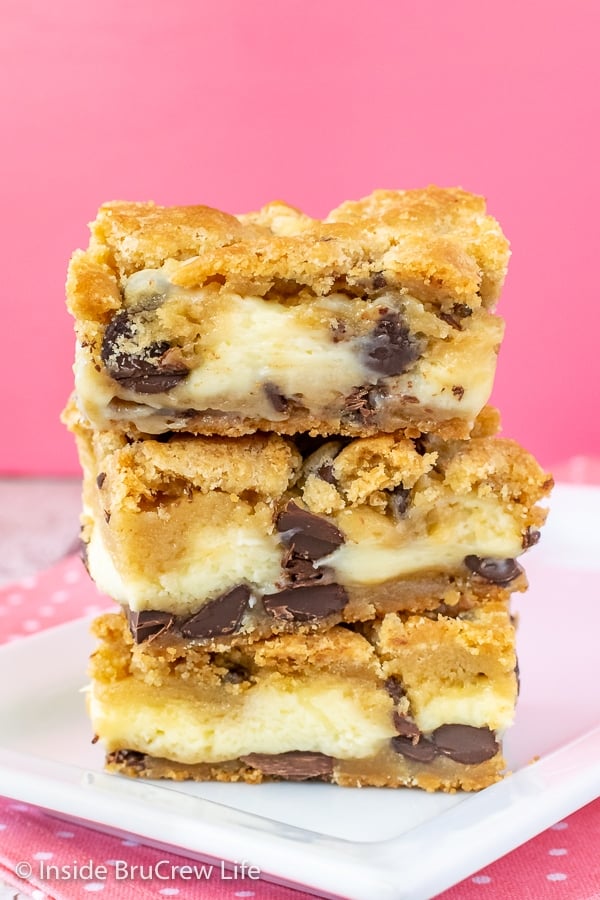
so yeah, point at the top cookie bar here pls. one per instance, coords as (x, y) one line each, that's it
(377, 318)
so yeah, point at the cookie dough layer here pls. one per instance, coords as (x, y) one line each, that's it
(247, 536)
(378, 318)
(407, 700)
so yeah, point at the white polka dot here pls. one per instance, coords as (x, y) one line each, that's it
(59, 596)
(169, 892)
(560, 826)
(43, 855)
(93, 886)
(111, 862)
(28, 583)
(20, 807)
(244, 894)
(64, 834)
(130, 843)
(46, 610)
(558, 851)
(14, 599)
(38, 895)
(2, 826)
(481, 879)
(556, 876)
(91, 610)
(31, 625)
(71, 576)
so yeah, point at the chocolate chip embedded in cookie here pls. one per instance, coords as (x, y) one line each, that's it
(465, 743)
(311, 536)
(151, 369)
(306, 604)
(292, 766)
(390, 349)
(496, 571)
(222, 615)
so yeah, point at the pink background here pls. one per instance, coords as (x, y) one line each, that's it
(235, 103)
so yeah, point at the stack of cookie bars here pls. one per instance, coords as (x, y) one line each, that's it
(294, 489)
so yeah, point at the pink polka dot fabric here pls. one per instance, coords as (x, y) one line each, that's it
(561, 863)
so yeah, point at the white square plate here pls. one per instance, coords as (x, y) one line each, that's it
(359, 844)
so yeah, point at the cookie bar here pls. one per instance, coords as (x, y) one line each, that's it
(408, 700)
(378, 318)
(214, 536)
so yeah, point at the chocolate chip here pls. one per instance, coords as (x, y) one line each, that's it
(422, 751)
(379, 280)
(453, 318)
(465, 744)
(236, 675)
(293, 766)
(530, 538)
(306, 604)
(458, 391)
(496, 571)
(399, 501)
(148, 623)
(406, 727)
(394, 687)
(390, 349)
(100, 479)
(325, 473)
(311, 536)
(302, 572)
(152, 370)
(130, 758)
(222, 615)
(275, 397)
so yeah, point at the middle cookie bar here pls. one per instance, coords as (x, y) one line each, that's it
(210, 537)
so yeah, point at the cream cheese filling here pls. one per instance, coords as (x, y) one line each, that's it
(345, 719)
(252, 342)
(215, 560)
(219, 558)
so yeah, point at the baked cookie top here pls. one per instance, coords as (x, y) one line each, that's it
(438, 244)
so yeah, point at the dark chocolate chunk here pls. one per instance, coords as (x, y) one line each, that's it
(406, 727)
(458, 391)
(422, 751)
(399, 501)
(496, 571)
(325, 473)
(100, 479)
(132, 759)
(311, 536)
(222, 615)
(236, 675)
(379, 281)
(357, 405)
(390, 349)
(530, 538)
(453, 318)
(293, 766)
(303, 572)
(152, 370)
(276, 398)
(394, 687)
(465, 744)
(306, 604)
(148, 623)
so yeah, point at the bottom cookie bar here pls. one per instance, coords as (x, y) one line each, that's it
(419, 701)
